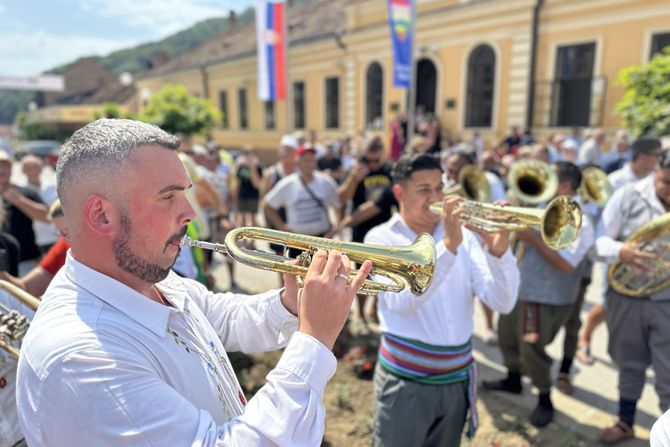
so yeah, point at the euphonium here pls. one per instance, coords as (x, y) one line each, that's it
(13, 324)
(559, 222)
(472, 184)
(411, 266)
(532, 181)
(595, 187)
(653, 237)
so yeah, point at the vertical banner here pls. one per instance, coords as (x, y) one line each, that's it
(271, 44)
(402, 37)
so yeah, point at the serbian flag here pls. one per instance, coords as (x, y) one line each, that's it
(271, 38)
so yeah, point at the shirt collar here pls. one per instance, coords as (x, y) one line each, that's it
(148, 313)
(397, 223)
(647, 191)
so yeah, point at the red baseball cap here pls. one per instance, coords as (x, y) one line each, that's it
(304, 149)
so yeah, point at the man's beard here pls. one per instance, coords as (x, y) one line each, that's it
(134, 264)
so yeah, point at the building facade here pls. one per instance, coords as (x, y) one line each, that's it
(481, 65)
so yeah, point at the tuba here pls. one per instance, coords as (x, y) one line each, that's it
(13, 324)
(595, 187)
(559, 222)
(472, 184)
(532, 181)
(653, 237)
(410, 266)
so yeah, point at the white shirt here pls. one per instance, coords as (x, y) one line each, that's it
(45, 232)
(10, 432)
(623, 176)
(442, 316)
(660, 432)
(303, 214)
(607, 245)
(104, 365)
(497, 187)
(589, 152)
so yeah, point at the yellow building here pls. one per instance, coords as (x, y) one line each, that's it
(482, 65)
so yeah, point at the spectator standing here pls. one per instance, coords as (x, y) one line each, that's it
(46, 233)
(249, 174)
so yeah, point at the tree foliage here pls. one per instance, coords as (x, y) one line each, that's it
(112, 110)
(175, 110)
(31, 130)
(645, 106)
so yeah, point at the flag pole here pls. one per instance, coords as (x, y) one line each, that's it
(289, 94)
(412, 84)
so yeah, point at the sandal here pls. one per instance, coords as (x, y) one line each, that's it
(617, 433)
(564, 385)
(583, 354)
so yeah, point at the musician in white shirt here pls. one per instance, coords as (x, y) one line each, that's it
(418, 401)
(122, 351)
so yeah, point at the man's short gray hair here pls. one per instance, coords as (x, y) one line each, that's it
(102, 146)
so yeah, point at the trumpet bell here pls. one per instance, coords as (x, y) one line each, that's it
(472, 184)
(561, 222)
(532, 181)
(595, 187)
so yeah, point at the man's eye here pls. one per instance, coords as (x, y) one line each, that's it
(170, 197)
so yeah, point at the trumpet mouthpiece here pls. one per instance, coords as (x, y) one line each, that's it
(186, 242)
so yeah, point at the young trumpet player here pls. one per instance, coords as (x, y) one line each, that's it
(425, 379)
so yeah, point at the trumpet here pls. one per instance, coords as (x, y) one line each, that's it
(472, 184)
(532, 181)
(595, 187)
(13, 324)
(559, 223)
(411, 266)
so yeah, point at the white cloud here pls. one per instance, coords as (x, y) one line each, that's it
(28, 54)
(161, 17)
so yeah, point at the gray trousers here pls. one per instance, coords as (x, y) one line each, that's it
(531, 358)
(410, 414)
(639, 336)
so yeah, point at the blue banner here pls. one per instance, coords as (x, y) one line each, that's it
(400, 21)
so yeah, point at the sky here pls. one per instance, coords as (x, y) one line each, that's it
(40, 34)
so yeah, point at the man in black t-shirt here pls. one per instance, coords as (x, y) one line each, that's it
(371, 174)
(22, 206)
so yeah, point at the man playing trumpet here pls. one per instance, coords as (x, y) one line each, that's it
(122, 351)
(425, 379)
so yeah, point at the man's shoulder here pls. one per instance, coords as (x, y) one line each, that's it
(381, 232)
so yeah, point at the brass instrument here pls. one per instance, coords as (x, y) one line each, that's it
(411, 266)
(653, 237)
(559, 222)
(472, 184)
(595, 187)
(13, 324)
(532, 181)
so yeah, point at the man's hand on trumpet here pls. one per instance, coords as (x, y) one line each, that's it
(497, 242)
(325, 299)
(451, 219)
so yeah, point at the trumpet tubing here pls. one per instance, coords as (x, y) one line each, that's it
(410, 266)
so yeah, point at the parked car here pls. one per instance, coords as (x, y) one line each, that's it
(47, 150)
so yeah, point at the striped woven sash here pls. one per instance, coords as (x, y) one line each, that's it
(432, 365)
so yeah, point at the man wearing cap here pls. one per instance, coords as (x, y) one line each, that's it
(306, 194)
(285, 166)
(22, 207)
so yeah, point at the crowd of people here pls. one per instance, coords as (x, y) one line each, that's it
(129, 345)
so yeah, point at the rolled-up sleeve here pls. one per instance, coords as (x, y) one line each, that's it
(494, 280)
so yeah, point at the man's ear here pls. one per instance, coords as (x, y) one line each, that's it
(398, 192)
(98, 215)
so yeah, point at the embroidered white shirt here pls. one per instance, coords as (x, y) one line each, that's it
(104, 365)
(442, 316)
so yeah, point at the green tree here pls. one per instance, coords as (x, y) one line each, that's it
(112, 110)
(32, 130)
(645, 106)
(175, 110)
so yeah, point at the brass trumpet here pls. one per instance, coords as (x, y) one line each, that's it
(472, 184)
(595, 187)
(532, 181)
(559, 222)
(13, 324)
(410, 266)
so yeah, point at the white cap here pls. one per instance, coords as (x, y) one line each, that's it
(199, 149)
(289, 140)
(570, 145)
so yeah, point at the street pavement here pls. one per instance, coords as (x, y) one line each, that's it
(594, 403)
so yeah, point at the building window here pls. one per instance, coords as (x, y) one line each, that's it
(223, 106)
(571, 96)
(658, 43)
(332, 103)
(242, 103)
(374, 87)
(481, 77)
(299, 105)
(269, 115)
